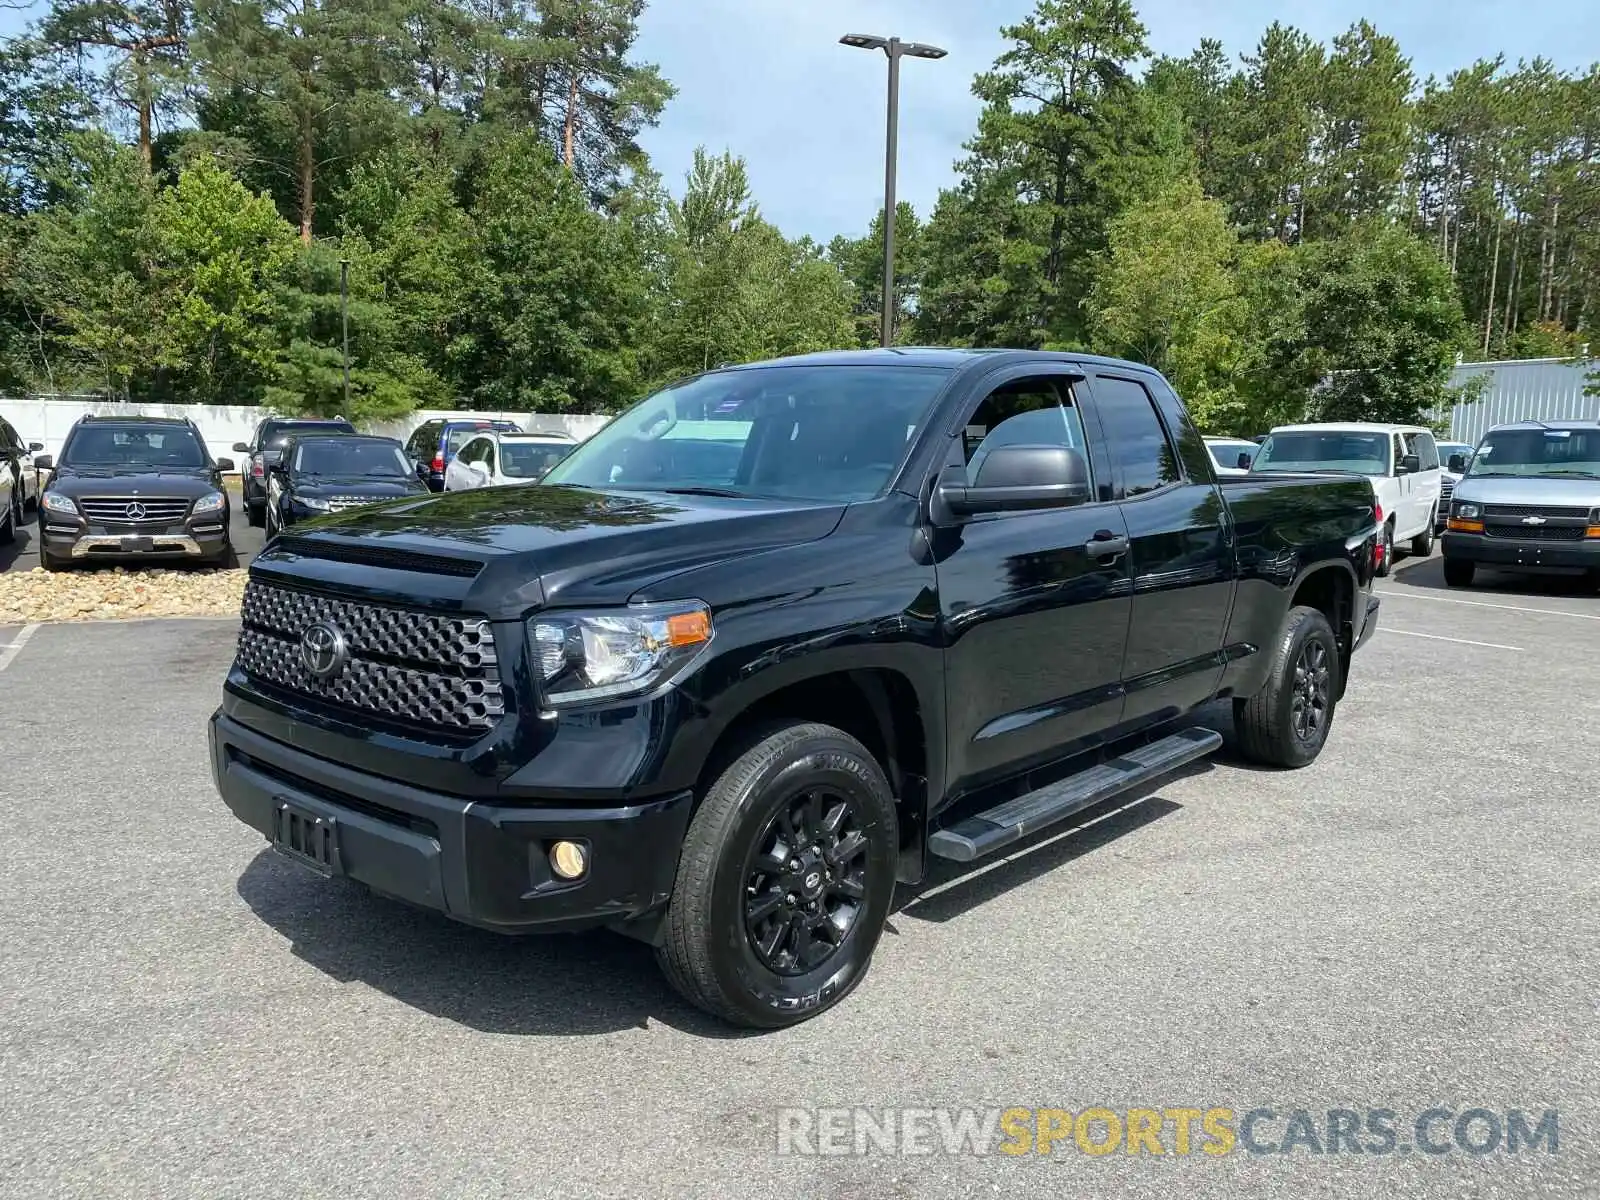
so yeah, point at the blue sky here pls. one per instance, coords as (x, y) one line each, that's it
(768, 80)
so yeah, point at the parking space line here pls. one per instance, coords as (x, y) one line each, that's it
(1543, 612)
(1439, 637)
(11, 651)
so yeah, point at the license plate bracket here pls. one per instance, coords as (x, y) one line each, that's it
(138, 545)
(309, 838)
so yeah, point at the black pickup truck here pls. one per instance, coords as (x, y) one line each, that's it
(774, 637)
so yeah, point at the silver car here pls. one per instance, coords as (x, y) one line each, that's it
(1528, 501)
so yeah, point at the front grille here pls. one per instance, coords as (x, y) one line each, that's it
(134, 510)
(1446, 490)
(339, 503)
(1535, 510)
(412, 667)
(1537, 533)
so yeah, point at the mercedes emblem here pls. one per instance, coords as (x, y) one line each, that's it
(136, 511)
(323, 650)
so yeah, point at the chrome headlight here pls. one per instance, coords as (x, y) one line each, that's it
(211, 503)
(57, 503)
(314, 503)
(1468, 511)
(616, 652)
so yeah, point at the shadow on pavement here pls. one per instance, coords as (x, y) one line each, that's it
(556, 985)
(1428, 574)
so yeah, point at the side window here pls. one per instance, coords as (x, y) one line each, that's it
(1426, 450)
(8, 437)
(471, 452)
(488, 454)
(1036, 411)
(1398, 449)
(1136, 439)
(1198, 464)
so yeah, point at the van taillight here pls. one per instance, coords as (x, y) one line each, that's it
(256, 468)
(438, 462)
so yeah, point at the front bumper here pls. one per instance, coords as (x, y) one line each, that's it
(90, 541)
(482, 864)
(1516, 554)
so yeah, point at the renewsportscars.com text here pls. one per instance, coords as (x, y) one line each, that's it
(1098, 1131)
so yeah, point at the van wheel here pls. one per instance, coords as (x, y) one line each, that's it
(1422, 544)
(1458, 572)
(1386, 559)
(1286, 723)
(785, 880)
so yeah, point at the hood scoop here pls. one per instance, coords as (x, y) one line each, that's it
(377, 556)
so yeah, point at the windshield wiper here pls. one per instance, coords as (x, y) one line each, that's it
(1574, 471)
(726, 493)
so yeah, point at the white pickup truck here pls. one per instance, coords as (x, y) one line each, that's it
(1402, 461)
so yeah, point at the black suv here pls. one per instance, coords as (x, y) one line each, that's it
(263, 448)
(133, 488)
(323, 473)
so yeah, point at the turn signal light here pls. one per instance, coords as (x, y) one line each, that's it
(1457, 525)
(1594, 531)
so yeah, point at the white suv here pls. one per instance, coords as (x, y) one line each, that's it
(1402, 462)
(494, 459)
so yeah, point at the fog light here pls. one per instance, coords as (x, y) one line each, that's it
(569, 860)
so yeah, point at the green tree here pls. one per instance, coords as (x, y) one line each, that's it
(1383, 326)
(860, 260)
(220, 254)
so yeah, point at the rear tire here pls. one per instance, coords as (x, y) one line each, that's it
(1286, 723)
(739, 935)
(1458, 572)
(1422, 544)
(255, 515)
(8, 533)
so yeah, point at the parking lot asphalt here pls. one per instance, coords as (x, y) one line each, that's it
(1413, 921)
(23, 554)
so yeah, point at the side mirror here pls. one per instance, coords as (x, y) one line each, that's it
(1457, 464)
(1016, 479)
(1245, 459)
(241, 447)
(226, 465)
(35, 447)
(44, 462)
(1410, 465)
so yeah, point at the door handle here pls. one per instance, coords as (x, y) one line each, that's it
(1105, 544)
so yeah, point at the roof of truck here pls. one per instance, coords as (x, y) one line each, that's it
(938, 356)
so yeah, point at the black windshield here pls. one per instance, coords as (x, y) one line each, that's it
(530, 460)
(172, 446)
(331, 456)
(278, 432)
(822, 432)
(1539, 452)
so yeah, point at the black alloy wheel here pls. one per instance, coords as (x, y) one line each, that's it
(805, 886)
(1312, 689)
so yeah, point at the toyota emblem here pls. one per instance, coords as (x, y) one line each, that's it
(323, 650)
(136, 511)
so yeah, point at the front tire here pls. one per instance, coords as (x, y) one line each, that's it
(785, 880)
(1458, 572)
(255, 515)
(1422, 544)
(1286, 723)
(8, 533)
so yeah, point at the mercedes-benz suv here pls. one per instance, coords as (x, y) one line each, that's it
(129, 488)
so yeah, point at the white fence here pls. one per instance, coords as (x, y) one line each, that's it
(48, 421)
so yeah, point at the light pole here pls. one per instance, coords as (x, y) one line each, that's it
(344, 320)
(895, 49)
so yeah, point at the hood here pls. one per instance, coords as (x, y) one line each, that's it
(1552, 490)
(580, 545)
(131, 481)
(357, 485)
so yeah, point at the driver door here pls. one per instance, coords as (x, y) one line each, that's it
(1035, 604)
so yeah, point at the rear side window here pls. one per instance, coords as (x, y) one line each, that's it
(1427, 452)
(1135, 438)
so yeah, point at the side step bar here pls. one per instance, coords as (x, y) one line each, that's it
(1014, 820)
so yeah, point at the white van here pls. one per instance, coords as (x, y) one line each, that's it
(1402, 462)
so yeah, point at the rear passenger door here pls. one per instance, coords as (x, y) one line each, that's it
(1181, 545)
(1426, 485)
